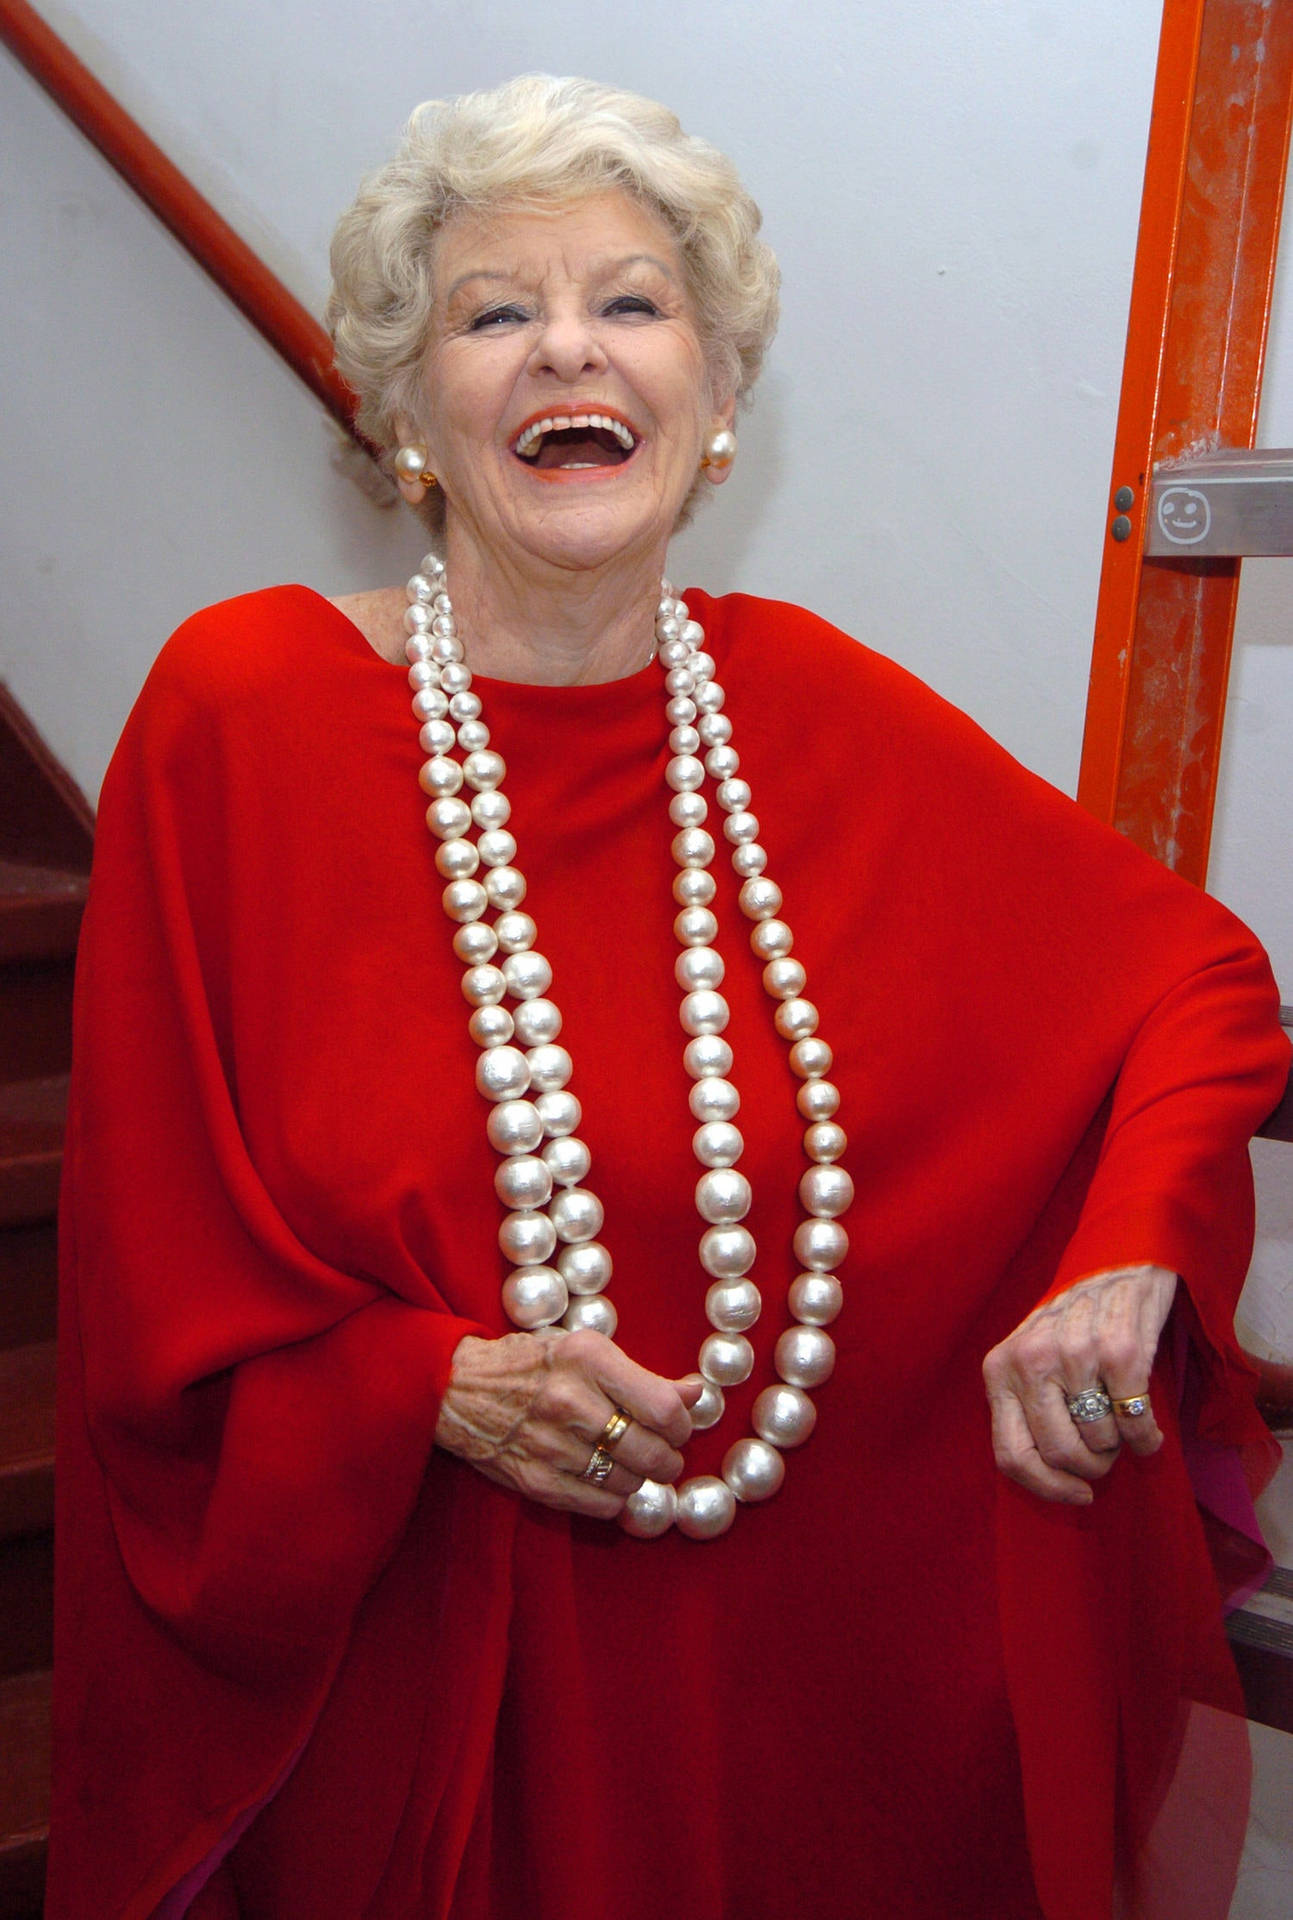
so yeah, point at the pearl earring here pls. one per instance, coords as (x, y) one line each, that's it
(718, 455)
(411, 464)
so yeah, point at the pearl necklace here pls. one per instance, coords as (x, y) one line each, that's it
(524, 1073)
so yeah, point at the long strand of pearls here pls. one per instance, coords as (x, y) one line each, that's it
(524, 1073)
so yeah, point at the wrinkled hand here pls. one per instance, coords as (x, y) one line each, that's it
(527, 1411)
(1103, 1329)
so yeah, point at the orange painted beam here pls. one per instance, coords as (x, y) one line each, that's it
(1196, 338)
(276, 314)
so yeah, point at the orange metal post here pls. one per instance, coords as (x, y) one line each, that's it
(218, 250)
(1196, 338)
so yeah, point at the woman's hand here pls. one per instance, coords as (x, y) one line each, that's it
(527, 1411)
(1104, 1331)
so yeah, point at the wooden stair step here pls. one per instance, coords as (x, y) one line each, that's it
(26, 1439)
(40, 911)
(33, 1115)
(24, 1792)
(28, 1282)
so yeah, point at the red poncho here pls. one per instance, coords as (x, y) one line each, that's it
(308, 1666)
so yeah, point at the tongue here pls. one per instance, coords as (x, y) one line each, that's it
(579, 447)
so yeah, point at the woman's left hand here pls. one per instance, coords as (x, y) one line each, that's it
(1102, 1332)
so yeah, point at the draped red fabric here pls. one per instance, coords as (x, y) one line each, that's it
(308, 1666)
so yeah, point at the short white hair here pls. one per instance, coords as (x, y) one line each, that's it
(539, 143)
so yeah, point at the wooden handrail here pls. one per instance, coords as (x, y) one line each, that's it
(275, 313)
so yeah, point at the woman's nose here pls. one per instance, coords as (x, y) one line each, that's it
(568, 346)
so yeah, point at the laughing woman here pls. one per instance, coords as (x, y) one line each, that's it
(528, 1282)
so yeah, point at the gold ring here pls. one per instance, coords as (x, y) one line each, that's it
(599, 1467)
(614, 1430)
(1132, 1407)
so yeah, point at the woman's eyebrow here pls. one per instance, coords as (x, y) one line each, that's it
(602, 269)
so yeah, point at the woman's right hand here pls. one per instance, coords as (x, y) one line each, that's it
(527, 1410)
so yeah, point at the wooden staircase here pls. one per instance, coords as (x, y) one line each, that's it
(45, 841)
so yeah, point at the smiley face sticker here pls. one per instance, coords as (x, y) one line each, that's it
(1184, 516)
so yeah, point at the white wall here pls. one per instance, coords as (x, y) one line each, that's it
(953, 190)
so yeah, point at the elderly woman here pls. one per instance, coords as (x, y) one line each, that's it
(528, 1283)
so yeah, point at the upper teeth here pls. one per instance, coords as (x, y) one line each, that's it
(558, 422)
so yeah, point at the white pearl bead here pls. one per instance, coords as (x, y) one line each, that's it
(703, 1012)
(527, 974)
(482, 986)
(496, 847)
(576, 1214)
(425, 704)
(550, 1066)
(437, 738)
(439, 706)
(753, 1470)
(422, 674)
(714, 1099)
(491, 810)
(703, 665)
(795, 1019)
(826, 1192)
(514, 1127)
(810, 1059)
(559, 1112)
(688, 810)
(585, 1267)
(593, 1313)
(448, 819)
(680, 711)
(760, 899)
(723, 1196)
(784, 1416)
(474, 943)
(464, 705)
(815, 1299)
(432, 566)
(538, 1022)
(784, 978)
(516, 932)
(805, 1356)
(484, 770)
(733, 796)
(409, 463)
(717, 1144)
(706, 1507)
(709, 1408)
(684, 740)
(710, 697)
(741, 828)
(693, 887)
(750, 860)
(502, 1073)
(527, 1238)
(708, 1056)
(464, 899)
(455, 678)
(505, 886)
(418, 647)
(820, 1244)
(491, 1026)
(684, 773)
(534, 1297)
(715, 729)
(472, 735)
(722, 762)
(733, 1305)
(456, 859)
(568, 1161)
(726, 1252)
(817, 1099)
(698, 967)
(694, 926)
(650, 1511)
(824, 1141)
(680, 682)
(693, 847)
(522, 1180)
(771, 939)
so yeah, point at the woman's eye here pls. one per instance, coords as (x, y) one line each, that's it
(496, 316)
(632, 303)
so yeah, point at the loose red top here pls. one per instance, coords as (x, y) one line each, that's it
(294, 1637)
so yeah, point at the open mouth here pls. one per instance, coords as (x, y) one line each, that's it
(571, 441)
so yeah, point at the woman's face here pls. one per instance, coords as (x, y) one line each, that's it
(566, 391)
